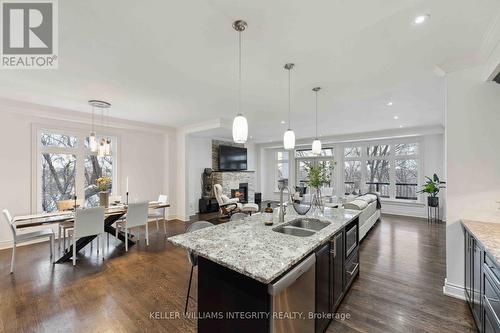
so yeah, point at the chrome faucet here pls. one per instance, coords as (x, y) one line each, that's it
(282, 204)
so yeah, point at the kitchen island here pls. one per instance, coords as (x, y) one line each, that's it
(252, 278)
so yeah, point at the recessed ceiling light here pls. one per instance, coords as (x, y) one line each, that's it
(420, 19)
(251, 137)
(400, 126)
(389, 103)
(283, 122)
(396, 117)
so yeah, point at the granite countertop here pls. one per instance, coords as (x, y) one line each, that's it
(255, 250)
(488, 233)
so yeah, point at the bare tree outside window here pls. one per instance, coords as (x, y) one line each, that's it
(58, 170)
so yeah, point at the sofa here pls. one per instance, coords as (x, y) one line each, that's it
(369, 205)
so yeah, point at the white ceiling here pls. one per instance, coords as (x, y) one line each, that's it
(174, 62)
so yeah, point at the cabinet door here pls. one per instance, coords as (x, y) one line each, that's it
(468, 270)
(322, 288)
(337, 269)
(476, 281)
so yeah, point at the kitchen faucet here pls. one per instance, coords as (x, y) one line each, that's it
(282, 204)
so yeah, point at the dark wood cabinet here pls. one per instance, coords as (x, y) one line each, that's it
(322, 288)
(337, 269)
(481, 284)
(468, 269)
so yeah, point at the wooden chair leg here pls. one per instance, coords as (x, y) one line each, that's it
(189, 289)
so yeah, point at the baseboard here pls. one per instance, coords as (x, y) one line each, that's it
(453, 290)
(183, 218)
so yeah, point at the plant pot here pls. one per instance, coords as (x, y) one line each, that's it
(433, 201)
(104, 199)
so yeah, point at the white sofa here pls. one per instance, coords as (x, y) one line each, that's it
(370, 214)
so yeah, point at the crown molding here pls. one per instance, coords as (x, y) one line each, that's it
(59, 114)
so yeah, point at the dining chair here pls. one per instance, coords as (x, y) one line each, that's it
(192, 257)
(238, 216)
(159, 213)
(88, 222)
(65, 226)
(26, 237)
(137, 216)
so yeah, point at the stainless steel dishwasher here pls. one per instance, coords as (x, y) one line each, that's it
(293, 299)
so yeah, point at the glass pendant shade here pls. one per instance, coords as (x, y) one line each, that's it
(289, 139)
(240, 129)
(316, 147)
(93, 142)
(107, 147)
(101, 150)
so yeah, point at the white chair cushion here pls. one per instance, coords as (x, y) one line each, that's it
(356, 204)
(250, 207)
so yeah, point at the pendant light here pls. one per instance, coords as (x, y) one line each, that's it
(92, 136)
(240, 124)
(103, 148)
(289, 136)
(316, 145)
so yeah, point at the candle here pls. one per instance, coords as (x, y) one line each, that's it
(127, 184)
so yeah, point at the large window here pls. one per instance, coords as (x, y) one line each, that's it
(66, 167)
(282, 169)
(305, 159)
(391, 169)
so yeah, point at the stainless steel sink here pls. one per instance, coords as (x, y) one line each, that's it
(294, 231)
(308, 223)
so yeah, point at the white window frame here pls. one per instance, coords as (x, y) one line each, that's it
(277, 160)
(315, 160)
(80, 152)
(392, 162)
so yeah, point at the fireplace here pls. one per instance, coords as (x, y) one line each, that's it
(241, 192)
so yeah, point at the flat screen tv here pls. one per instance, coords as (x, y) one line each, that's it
(232, 158)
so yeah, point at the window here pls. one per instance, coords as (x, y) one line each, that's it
(391, 169)
(66, 168)
(305, 159)
(352, 169)
(282, 169)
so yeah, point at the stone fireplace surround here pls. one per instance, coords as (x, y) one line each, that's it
(231, 180)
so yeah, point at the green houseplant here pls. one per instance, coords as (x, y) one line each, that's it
(432, 187)
(315, 181)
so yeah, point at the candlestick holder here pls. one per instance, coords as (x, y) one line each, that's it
(127, 198)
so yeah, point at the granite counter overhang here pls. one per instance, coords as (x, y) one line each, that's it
(255, 250)
(487, 233)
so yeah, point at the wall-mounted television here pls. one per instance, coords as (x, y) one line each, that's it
(232, 158)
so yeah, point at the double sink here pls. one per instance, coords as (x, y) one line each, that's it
(302, 227)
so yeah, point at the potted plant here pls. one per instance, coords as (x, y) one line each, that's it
(315, 181)
(432, 188)
(103, 184)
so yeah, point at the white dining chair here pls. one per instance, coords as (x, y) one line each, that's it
(88, 222)
(64, 227)
(26, 237)
(137, 216)
(159, 213)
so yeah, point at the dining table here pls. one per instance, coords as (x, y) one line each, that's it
(111, 214)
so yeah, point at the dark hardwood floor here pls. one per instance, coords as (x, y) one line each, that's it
(399, 288)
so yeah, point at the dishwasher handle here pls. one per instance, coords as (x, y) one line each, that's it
(292, 276)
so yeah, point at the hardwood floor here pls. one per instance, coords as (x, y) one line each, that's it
(399, 288)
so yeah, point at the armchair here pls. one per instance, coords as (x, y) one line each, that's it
(227, 206)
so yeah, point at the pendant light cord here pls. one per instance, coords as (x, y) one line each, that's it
(93, 128)
(289, 98)
(316, 114)
(239, 72)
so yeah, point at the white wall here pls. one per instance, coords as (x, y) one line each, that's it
(140, 157)
(473, 161)
(199, 157)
